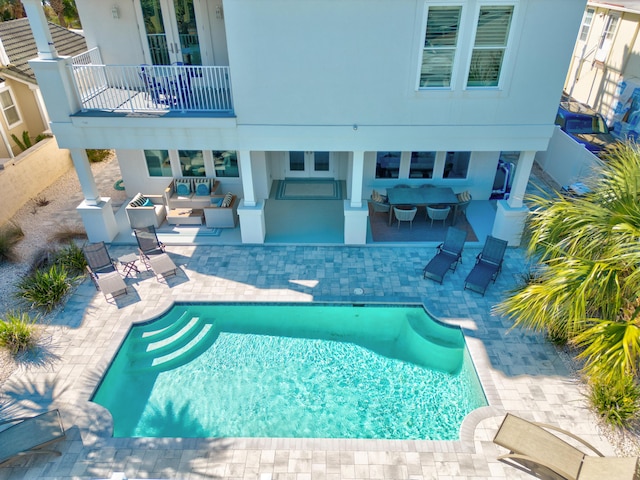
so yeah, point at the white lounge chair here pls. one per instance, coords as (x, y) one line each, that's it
(30, 435)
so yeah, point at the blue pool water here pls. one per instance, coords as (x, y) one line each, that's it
(319, 371)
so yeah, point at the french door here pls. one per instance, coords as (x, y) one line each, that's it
(309, 164)
(171, 31)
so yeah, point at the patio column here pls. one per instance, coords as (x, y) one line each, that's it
(97, 212)
(40, 29)
(250, 211)
(355, 213)
(512, 213)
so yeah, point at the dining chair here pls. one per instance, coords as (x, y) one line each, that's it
(405, 215)
(438, 213)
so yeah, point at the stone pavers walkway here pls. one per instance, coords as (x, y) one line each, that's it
(521, 372)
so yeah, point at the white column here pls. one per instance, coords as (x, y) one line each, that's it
(511, 214)
(41, 108)
(85, 176)
(244, 158)
(357, 171)
(519, 185)
(40, 29)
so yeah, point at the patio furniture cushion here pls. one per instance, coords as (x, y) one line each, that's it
(203, 186)
(227, 200)
(183, 187)
(464, 196)
(376, 197)
(138, 201)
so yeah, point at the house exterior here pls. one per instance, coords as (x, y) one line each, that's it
(371, 93)
(605, 66)
(23, 108)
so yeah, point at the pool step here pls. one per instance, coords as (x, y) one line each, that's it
(182, 333)
(182, 341)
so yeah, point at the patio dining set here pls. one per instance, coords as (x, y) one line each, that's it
(402, 202)
(103, 269)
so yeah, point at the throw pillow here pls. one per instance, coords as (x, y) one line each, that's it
(464, 196)
(203, 188)
(376, 197)
(227, 200)
(137, 201)
(183, 187)
(147, 203)
(217, 202)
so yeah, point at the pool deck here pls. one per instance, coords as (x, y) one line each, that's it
(521, 372)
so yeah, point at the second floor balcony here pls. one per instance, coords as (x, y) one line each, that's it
(150, 88)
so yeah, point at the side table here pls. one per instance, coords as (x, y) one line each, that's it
(129, 266)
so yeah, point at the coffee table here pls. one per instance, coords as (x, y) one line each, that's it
(185, 216)
(128, 262)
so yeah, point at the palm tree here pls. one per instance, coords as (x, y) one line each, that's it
(587, 289)
(58, 8)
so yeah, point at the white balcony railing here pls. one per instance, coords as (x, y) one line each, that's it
(144, 88)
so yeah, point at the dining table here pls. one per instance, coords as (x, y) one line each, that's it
(422, 196)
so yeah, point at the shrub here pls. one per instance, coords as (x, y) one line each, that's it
(26, 142)
(18, 332)
(96, 156)
(616, 402)
(41, 201)
(72, 259)
(45, 288)
(10, 235)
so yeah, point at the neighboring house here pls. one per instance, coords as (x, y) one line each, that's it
(252, 91)
(22, 105)
(605, 66)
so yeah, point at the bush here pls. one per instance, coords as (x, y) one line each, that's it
(96, 156)
(616, 403)
(45, 288)
(18, 332)
(10, 235)
(72, 259)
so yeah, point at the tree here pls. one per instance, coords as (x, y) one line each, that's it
(11, 9)
(587, 289)
(58, 8)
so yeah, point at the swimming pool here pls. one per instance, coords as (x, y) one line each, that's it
(304, 371)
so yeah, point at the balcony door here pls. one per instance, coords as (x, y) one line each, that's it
(309, 164)
(171, 31)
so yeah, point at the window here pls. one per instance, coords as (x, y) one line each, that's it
(608, 33)
(158, 163)
(586, 24)
(191, 163)
(490, 45)
(9, 109)
(456, 164)
(387, 164)
(422, 164)
(440, 43)
(225, 163)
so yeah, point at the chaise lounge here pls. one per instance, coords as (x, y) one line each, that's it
(534, 449)
(30, 435)
(448, 256)
(152, 253)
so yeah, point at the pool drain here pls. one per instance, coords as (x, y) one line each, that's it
(358, 291)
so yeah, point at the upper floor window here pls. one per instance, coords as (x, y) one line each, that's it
(609, 32)
(587, 19)
(492, 34)
(440, 44)
(158, 163)
(9, 109)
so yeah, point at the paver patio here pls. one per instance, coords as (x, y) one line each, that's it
(520, 371)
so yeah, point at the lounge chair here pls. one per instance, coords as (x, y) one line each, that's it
(488, 265)
(102, 270)
(535, 450)
(152, 252)
(449, 254)
(30, 435)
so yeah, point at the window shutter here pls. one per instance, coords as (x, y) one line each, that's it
(441, 40)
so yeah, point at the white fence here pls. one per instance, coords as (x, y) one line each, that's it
(566, 160)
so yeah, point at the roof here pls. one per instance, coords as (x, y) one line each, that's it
(20, 46)
(628, 5)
